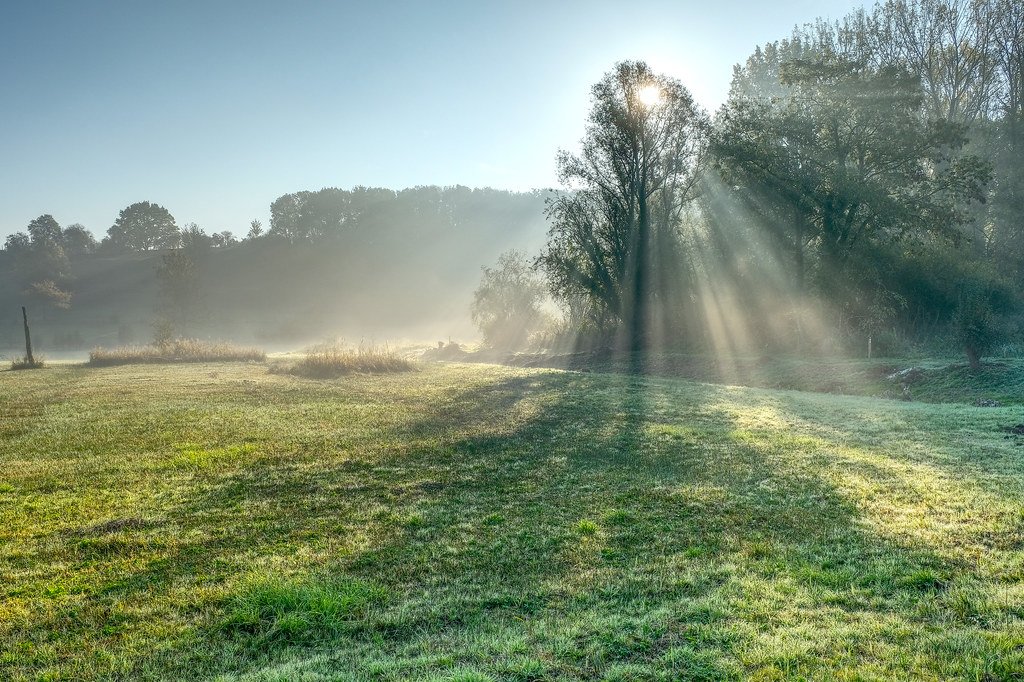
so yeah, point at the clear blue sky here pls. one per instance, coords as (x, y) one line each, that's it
(215, 108)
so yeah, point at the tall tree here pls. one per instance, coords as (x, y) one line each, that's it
(626, 192)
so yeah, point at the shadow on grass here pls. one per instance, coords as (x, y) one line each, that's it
(555, 525)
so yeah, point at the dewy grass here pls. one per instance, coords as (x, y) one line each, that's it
(331, 360)
(276, 609)
(177, 350)
(165, 522)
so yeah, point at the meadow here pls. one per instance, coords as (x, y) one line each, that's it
(466, 522)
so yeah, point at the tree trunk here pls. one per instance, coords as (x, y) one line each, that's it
(973, 359)
(638, 330)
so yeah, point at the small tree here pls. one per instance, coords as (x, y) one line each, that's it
(975, 324)
(255, 231)
(506, 305)
(178, 280)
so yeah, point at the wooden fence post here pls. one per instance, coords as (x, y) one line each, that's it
(28, 339)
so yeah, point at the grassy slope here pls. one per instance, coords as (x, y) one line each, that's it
(482, 522)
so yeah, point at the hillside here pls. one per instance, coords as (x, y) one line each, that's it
(474, 522)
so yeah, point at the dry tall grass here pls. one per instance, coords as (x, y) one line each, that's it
(328, 360)
(23, 363)
(176, 350)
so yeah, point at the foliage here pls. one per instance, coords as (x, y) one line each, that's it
(507, 304)
(614, 230)
(846, 157)
(48, 290)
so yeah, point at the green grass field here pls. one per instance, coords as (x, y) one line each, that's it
(476, 522)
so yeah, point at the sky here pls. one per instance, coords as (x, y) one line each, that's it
(215, 108)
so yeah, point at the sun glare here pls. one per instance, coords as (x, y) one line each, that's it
(649, 95)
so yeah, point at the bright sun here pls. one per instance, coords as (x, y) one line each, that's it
(649, 95)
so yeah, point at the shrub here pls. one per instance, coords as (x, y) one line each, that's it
(177, 350)
(328, 360)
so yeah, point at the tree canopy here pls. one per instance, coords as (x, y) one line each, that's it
(143, 226)
(616, 224)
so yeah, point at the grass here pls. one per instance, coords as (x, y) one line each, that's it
(933, 380)
(175, 351)
(474, 522)
(333, 360)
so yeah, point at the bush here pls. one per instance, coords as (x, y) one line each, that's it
(176, 350)
(329, 360)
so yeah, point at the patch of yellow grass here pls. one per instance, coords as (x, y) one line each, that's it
(328, 360)
(177, 350)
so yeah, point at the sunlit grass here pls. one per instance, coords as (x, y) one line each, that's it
(490, 523)
(176, 350)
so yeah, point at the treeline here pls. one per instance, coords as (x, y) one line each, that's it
(863, 181)
(379, 222)
(876, 163)
(328, 261)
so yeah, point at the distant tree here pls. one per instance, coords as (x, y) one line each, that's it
(255, 231)
(222, 239)
(17, 243)
(179, 292)
(614, 227)
(41, 263)
(45, 232)
(506, 305)
(194, 238)
(78, 241)
(143, 226)
(285, 214)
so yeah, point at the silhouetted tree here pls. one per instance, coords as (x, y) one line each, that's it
(627, 190)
